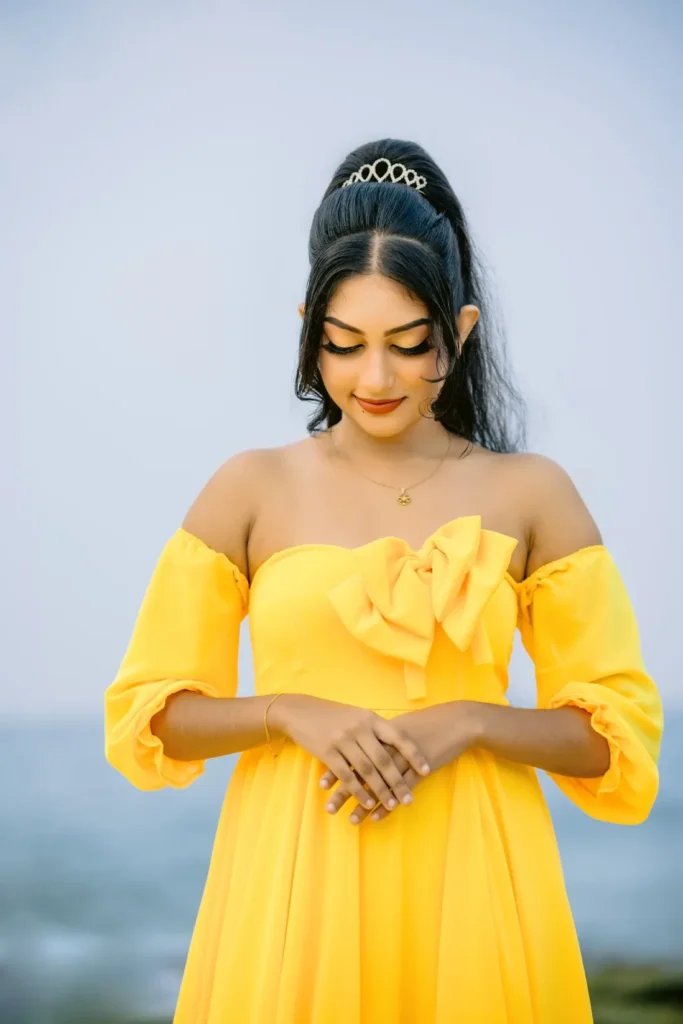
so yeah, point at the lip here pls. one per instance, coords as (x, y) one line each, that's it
(378, 407)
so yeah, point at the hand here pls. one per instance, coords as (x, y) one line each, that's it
(341, 736)
(443, 732)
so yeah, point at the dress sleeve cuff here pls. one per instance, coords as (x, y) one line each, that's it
(139, 753)
(627, 790)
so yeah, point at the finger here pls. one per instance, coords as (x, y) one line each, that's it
(367, 770)
(380, 756)
(390, 734)
(380, 812)
(375, 765)
(359, 814)
(399, 759)
(338, 799)
(339, 763)
(328, 780)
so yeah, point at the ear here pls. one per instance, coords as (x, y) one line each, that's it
(466, 319)
(301, 310)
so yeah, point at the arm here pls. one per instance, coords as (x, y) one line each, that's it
(561, 740)
(173, 701)
(193, 726)
(579, 627)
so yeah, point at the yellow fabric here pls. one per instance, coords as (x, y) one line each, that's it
(452, 910)
(186, 638)
(578, 626)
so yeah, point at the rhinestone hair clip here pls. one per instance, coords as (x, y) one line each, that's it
(395, 173)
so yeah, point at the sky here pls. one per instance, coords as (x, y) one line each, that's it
(160, 164)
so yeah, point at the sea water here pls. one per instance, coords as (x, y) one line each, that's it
(100, 883)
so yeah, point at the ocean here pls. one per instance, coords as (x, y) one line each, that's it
(100, 883)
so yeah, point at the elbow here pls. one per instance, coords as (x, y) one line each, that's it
(589, 751)
(168, 726)
(141, 742)
(598, 756)
(161, 730)
(144, 762)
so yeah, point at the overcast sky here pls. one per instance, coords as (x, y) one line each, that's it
(159, 167)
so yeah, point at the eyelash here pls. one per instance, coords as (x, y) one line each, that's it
(416, 350)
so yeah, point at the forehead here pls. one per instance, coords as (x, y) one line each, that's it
(374, 300)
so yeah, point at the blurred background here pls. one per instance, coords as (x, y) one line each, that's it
(160, 164)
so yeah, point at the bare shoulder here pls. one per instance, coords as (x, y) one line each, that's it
(230, 502)
(224, 510)
(558, 520)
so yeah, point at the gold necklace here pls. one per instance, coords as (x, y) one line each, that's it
(404, 497)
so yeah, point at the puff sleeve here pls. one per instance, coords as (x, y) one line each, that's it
(186, 637)
(578, 626)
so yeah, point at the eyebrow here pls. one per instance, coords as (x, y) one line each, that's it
(393, 330)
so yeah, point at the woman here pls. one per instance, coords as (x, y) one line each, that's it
(386, 561)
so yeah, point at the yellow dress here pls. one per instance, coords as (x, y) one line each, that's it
(452, 909)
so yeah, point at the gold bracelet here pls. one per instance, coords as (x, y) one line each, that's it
(265, 722)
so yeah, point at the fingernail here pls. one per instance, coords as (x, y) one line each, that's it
(391, 803)
(407, 799)
(369, 803)
(425, 769)
(375, 816)
(353, 819)
(324, 783)
(330, 807)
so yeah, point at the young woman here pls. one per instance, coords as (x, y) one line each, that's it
(384, 852)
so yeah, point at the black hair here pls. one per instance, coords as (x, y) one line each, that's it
(422, 241)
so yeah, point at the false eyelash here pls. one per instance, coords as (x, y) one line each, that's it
(416, 350)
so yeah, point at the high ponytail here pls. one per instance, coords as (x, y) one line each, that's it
(422, 241)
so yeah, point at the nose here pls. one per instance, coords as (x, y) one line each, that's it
(377, 376)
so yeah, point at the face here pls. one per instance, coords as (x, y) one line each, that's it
(376, 353)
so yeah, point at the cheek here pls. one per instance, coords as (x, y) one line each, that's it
(340, 376)
(337, 373)
(417, 372)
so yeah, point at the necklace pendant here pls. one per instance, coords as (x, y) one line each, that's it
(404, 498)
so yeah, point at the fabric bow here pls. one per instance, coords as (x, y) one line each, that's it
(395, 598)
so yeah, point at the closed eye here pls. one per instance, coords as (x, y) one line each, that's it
(343, 350)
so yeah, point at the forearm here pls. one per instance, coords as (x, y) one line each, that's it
(560, 740)
(193, 727)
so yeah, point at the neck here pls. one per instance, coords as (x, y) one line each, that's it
(424, 439)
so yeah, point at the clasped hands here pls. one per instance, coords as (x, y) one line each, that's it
(376, 761)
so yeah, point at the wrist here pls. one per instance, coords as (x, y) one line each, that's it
(280, 714)
(472, 714)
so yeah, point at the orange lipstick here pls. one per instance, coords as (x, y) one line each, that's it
(378, 407)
